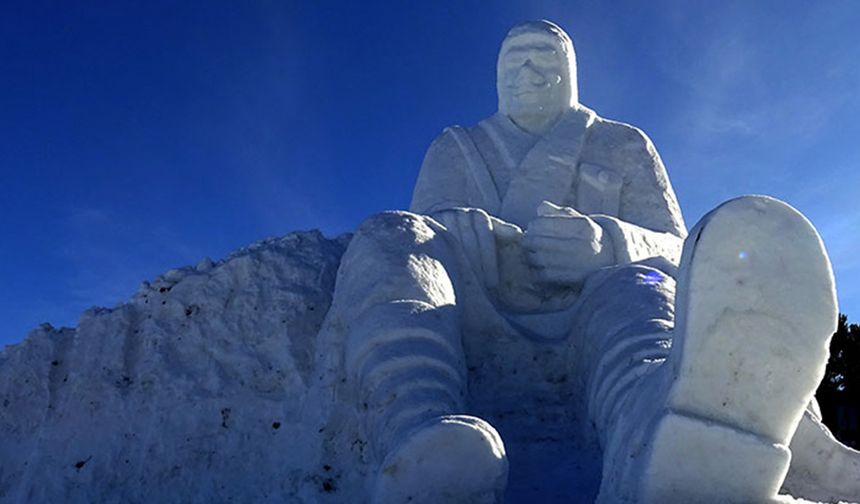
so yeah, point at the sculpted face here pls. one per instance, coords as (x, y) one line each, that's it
(532, 74)
(536, 76)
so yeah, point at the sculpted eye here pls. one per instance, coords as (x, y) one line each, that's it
(515, 59)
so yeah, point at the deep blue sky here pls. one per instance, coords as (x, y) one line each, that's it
(138, 137)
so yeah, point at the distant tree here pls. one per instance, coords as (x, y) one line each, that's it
(839, 393)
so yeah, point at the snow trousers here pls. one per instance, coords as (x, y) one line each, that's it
(413, 299)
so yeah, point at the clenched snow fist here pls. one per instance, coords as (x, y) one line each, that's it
(451, 459)
(756, 308)
(565, 246)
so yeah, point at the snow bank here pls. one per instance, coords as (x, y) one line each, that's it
(193, 391)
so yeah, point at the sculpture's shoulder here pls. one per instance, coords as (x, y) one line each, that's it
(448, 134)
(647, 197)
(447, 145)
(446, 151)
(442, 178)
(623, 143)
(457, 145)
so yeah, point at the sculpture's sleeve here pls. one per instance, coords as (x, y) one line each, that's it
(633, 243)
(649, 221)
(442, 183)
(445, 191)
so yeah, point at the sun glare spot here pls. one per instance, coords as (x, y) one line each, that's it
(653, 278)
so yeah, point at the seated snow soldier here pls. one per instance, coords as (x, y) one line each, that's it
(547, 230)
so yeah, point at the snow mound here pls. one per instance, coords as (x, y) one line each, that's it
(193, 391)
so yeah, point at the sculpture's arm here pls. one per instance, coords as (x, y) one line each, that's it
(480, 236)
(632, 243)
(649, 222)
(565, 246)
(443, 192)
(442, 181)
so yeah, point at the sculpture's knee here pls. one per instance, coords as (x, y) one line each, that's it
(397, 256)
(636, 291)
(397, 230)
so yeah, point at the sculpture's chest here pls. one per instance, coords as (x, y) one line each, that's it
(565, 181)
(527, 170)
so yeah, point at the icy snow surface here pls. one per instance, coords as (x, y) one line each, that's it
(196, 390)
(203, 388)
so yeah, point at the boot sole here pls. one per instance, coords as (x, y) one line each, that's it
(756, 309)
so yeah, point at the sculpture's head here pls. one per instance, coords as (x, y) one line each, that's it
(536, 75)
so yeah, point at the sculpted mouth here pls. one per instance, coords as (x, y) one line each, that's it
(524, 91)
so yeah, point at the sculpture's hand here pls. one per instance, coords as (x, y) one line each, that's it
(474, 228)
(565, 246)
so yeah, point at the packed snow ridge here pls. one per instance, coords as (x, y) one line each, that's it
(196, 390)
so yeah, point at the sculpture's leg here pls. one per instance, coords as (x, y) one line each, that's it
(756, 308)
(405, 358)
(624, 332)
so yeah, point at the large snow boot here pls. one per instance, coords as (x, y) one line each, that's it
(755, 309)
(407, 361)
(447, 460)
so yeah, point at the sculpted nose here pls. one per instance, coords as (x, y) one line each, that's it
(529, 74)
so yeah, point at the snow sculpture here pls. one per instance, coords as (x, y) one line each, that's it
(546, 226)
